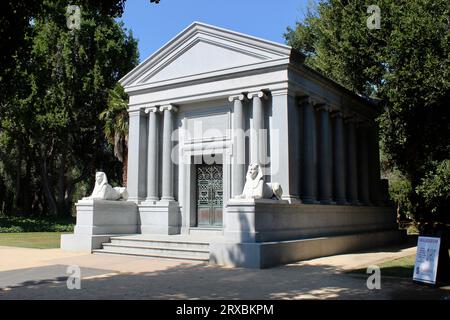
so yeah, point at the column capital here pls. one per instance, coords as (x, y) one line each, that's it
(323, 106)
(302, 100)
(169, 107)
(282, 92)
(153, 109)
(363, 123)
(259, 94)
(349, 116)
(350, 119)
(240, 97)
(136, 112)
(337, 114)
(335, 107)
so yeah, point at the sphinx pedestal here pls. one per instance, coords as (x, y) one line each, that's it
(159, 217)
(97, 221)
(266, 233)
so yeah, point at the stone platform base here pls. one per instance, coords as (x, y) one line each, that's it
(97, 221)
(268, 220)
(256, 233)
(159, 217)
(83, 242)
(270, 254)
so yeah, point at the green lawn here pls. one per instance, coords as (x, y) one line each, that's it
(37, 240)
(19, 224)
(402, 268)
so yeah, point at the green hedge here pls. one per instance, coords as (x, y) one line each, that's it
(36, 224)
(435, 189)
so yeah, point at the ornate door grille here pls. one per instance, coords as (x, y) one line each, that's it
(209, 195)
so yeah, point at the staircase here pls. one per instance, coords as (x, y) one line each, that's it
(168, 247)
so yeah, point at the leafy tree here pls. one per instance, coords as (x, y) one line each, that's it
(399, 191)
(115, 119)
(405, 63)
(16, 23)
(337, 42)
(15, 19)
(435, 189)
(50, 134)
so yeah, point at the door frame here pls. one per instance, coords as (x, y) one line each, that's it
(191, 157)
(208, 226)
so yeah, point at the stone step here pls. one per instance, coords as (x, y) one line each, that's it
(144, 248)
(176, 244)
(206, 232)
(157, 248)
(174, 257)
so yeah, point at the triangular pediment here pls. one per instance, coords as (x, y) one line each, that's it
(201, 50)
(203, 56)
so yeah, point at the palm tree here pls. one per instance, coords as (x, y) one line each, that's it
(116, 126)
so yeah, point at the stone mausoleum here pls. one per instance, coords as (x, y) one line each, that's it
(202, 109)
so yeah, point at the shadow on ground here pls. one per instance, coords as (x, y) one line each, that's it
(187, 281)
(407, 242)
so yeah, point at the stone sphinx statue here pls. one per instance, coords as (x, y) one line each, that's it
(104, 191)
(256, 188)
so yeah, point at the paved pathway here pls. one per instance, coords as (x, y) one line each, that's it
(41, 274)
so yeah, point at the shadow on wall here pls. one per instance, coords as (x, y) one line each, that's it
(252, 254)
(189, 281)
(237, 253)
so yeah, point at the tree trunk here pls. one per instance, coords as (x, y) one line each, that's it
(69, 199)
(61, 200)
(18, 177)
(47, 189)
(27, 193)
(36, 203)
(125, 168)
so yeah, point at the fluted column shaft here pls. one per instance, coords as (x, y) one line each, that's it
(137, 156)
(374, 167)
(352, 169)
(257, 143)
(152, 158)
(363, 160)
(284, 143)
(167, 165)
(339, 159)
(325, 167)
(238, 166)
(309, 152)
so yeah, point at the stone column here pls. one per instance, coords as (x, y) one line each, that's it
(257, 141)
(351, 167)
(339, 158)
(152, 158)
(238, 166)
(137, 156)
(309, 194)
(284, 143)
(325, 165)
(363, 164)
(167, 164)
(374, 166)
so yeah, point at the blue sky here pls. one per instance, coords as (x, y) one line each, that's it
(154, 25)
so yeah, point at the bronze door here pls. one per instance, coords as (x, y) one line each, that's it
(209, 195)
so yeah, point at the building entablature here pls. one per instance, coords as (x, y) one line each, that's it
(204, 62)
